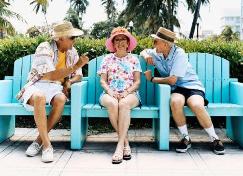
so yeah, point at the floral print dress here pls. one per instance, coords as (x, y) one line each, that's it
(120, 71)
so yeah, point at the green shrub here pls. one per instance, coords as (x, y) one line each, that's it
(16, 47)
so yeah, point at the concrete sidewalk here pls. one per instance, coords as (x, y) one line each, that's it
(95, 158)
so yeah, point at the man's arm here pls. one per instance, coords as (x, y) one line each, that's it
(171, 80)
(148, 58)
(64, 72)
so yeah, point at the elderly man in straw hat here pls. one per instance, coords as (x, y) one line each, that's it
(172, 63)
(56, 65)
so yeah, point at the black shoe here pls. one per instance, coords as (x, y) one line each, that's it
(184, 145)
(218, 147)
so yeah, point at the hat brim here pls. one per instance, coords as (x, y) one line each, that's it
(132, 42)
(156, 37)
(71, 33)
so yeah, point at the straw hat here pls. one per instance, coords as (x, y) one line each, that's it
(165, 34)
(123, 31)
(65, 29)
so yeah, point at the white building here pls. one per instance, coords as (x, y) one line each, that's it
(233, 21)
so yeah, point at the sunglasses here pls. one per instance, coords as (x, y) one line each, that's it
(72, 38)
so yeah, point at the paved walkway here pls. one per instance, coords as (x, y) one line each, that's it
(95, 158)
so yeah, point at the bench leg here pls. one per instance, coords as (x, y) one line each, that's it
(229, 130)
(7, 127)
(155, 129)
(163, 129)
(79, 128)
(234, 129)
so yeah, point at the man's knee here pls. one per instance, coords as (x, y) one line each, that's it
(39, 97)
(177, 102)
(59, 100)
(196, 106)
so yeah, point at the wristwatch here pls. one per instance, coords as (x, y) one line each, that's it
(151, 80)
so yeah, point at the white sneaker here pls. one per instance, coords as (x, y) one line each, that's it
(33, 149)
(47, 155)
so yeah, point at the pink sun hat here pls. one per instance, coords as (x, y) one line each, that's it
(123, 31)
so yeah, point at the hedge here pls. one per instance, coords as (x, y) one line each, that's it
(19, 46)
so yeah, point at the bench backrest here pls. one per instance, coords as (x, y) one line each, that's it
(212, 70)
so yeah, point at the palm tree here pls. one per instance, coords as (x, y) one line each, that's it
(5, 15)
(149, 15)
(196, 11)
(228, 34)
(73, 17)
(40, 5)
(79, 6)
(110, 9)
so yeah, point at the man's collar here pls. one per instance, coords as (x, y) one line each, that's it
(171, 53)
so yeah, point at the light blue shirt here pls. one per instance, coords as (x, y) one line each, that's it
(176, 64)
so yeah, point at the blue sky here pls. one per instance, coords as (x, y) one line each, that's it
(210, 14)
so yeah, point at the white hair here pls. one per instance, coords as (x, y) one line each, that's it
(56, 38)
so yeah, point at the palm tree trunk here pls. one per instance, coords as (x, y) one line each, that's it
(170, 24)
(196, 15)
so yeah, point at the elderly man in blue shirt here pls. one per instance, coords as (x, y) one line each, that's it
(172, 63)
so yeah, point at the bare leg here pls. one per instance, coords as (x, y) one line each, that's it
(38, 100)
(177, 103)
(112, 106)
(125, 106)
(196, 103)
(57, 103)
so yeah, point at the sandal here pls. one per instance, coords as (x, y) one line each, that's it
(117, 157)
(127, 153)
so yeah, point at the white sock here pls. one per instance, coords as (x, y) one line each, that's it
(211, 133)
(183, 131)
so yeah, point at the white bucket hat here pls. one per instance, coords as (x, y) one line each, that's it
(65, 29)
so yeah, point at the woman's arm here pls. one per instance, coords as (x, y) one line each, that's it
(136, 83)
(134, 87)
(105, 86)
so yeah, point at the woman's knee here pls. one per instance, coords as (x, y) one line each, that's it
(123, 104)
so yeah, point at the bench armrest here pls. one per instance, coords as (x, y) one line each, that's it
(236, 93)
(79, 93)
(6, 91)
(8, 78)
(162, 95)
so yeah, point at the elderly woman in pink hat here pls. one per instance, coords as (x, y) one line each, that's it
(120, 79)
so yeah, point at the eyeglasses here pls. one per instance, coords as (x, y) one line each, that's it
(116, 40)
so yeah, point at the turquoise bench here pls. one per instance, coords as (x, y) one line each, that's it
(9, 106)
(86, 104)
(224, 94)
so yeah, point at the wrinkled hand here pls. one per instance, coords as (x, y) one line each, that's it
(112, 93)
(148, 74)
(122, 95)
(83, 60)
(149, 60)
(67, 88)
